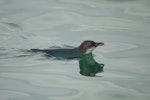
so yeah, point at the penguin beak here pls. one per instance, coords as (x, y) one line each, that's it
(99, 44)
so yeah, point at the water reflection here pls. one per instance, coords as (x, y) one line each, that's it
(88, 65)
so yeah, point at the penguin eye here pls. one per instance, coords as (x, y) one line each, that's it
(93, 44)
(90, 44)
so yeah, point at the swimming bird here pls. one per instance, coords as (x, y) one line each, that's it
(84, 48)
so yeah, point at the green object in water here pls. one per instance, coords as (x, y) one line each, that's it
(88, 66)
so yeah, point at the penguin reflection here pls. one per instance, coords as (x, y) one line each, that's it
(88, 66)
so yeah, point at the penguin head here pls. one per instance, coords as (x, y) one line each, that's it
(88, 46)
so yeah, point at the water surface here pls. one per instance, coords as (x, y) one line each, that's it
(123, 25)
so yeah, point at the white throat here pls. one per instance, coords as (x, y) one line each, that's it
(89, 50)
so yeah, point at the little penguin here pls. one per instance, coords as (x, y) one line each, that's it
(84, 48)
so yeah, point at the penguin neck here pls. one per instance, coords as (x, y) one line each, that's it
(81, 50)
(85, 51)
(78, 51)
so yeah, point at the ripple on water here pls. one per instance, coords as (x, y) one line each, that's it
(38, 84)
(60, 87)
(9, 94)
(140, 11)
(54, 19)
(116, 46)
(8, 26)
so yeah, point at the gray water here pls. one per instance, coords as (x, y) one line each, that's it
(123, 25)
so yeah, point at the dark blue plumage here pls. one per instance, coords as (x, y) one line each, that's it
(85, 48)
